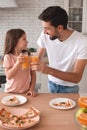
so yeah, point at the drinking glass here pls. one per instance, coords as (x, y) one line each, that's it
(25, 63)
(34, 57)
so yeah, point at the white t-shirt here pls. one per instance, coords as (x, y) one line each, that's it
(62, 55)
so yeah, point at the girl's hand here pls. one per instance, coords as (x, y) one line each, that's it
(20, 59)
(32, 93)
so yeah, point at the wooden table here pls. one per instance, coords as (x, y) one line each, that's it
(50, 118)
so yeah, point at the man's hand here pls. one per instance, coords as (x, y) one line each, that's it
(41, 66)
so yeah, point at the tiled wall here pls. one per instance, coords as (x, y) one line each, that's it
(25, 17)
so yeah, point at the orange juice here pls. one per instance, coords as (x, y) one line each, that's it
(25, 64)
(34, 57)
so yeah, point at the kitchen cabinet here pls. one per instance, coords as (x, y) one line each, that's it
(75, 15)
(42, 79)
(77, 12)
(44, 83)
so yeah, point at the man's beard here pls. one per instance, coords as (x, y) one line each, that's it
(53, 37)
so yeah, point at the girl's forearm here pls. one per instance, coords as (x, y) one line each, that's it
(11, 72)
(33, 80)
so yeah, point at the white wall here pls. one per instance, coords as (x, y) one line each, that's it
(83, 83)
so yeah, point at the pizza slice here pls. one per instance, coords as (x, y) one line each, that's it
(13, 101)
(63, 104)
(6, 117)
(32, 112)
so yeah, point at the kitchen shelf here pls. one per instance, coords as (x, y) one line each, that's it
(76, 7)
(75, 21)
(75, 14)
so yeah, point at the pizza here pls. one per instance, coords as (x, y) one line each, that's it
(13, 100)
(63, 104)
(10, 120)
(32, 112)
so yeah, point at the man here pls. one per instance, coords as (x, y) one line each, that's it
(66, 50)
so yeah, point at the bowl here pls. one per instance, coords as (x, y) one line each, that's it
(81, 126)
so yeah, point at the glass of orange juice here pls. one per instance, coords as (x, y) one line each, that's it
(34, 57)
(25, 63)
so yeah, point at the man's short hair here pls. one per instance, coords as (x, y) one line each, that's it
(55, 15)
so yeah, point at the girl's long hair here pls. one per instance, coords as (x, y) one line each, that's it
(11, 40)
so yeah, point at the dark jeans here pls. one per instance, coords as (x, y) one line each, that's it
(56, 88)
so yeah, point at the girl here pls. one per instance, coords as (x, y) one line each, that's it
(18, 80)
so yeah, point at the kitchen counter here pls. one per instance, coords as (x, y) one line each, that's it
(2, 75)
(2, 72)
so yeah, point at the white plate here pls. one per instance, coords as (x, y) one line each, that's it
(21, 99)
(18, 112)
(60, 100)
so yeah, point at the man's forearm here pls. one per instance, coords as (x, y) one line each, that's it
(67, 76)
